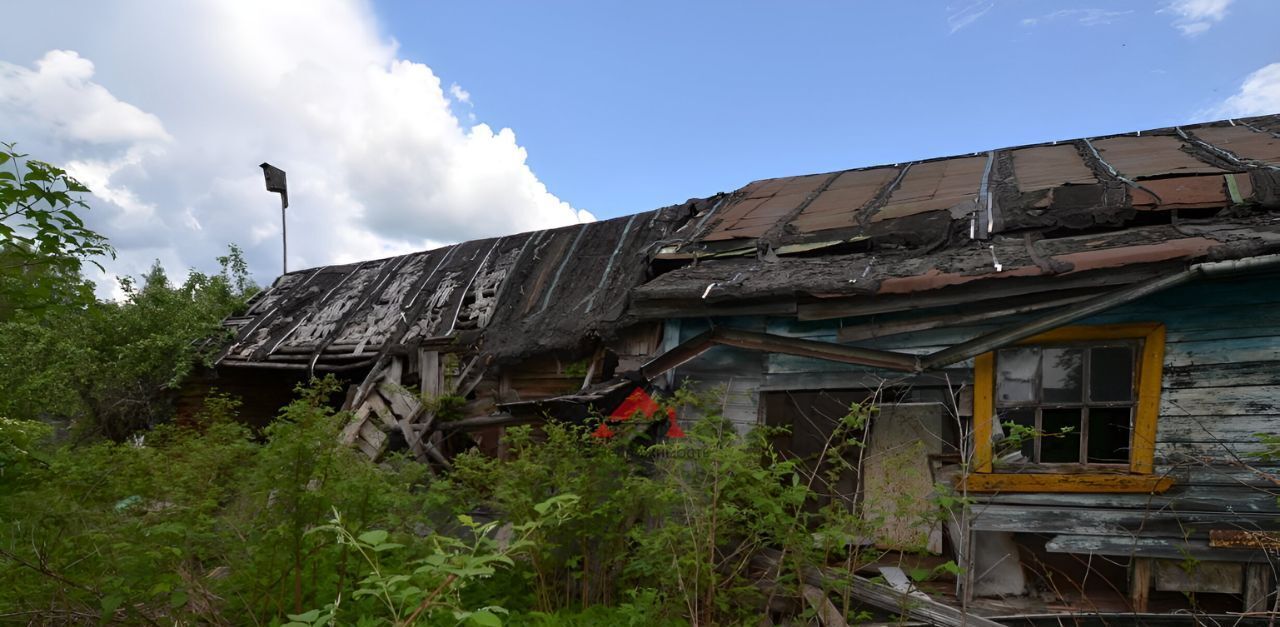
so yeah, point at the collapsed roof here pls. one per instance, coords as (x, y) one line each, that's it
(1074, 215)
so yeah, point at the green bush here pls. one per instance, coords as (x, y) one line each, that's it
(208, 521)
(212, 523)
(111, 368)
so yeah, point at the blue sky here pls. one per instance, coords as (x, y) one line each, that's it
(409, 125)
(629, 106)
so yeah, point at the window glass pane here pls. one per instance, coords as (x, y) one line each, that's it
(1017, 440)
(1060, 436)
(1109, 435)
(1063, 373)
(1111, 373)
(1016, 374)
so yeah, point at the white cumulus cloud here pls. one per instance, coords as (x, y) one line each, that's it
(1259, 94)
(58, 96)
(1193, 17)
(168, 123)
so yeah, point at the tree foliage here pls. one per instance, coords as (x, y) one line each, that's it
(111, 368)
(43, 239)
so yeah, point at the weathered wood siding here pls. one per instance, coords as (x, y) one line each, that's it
(1221, 382)
(1220, 387)
(1222, 365)
(734, 374)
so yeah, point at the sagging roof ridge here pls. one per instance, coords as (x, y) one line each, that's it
(512, 287)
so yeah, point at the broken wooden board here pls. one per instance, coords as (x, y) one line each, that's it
(827, 612)
(879, 595)
(1164, 548)
(402, 403)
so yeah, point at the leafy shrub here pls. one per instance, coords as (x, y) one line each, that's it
(111, 367)
(208, 521)
(211, 522)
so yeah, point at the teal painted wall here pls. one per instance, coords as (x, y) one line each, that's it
(1221, 381)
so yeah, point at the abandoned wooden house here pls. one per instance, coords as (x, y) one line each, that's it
(1082, 336)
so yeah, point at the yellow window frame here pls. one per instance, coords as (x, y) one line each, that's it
(984, 478)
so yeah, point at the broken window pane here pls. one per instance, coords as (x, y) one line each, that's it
(1018, 440)
(1111, 373)
(1109, 435)
(1016, 372)
(1063, 374)
(1060, 436)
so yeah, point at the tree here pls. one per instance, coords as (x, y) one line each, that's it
(111, 367)
(43, 240)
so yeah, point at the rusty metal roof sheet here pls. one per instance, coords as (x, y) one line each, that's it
(1150, 155)
(763, 204)
(1184, 192)
(935, 185)
(1045, 167)
(843, 200)
(1243, 141)
(1073, 184)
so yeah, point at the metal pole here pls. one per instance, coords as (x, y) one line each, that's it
(277, 183)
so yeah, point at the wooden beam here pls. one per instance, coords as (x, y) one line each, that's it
(1257, 587)
(394, 370)
(822, 606)
(674, 358)
(854, 306)
(1047, 482)
(924, 323)
(352, 429)
(402, 403)
(429, 373)
(370, 380)
(771, 343)
(1158, 548)
(1142, 447)
(1140, 583)
(434, 453)
(597, 360)
(374, 401)
(879, 595)
(983, 410)
(1126, 523)
(483, 422)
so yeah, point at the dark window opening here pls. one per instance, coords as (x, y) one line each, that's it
(1067, 403)
(810, 417)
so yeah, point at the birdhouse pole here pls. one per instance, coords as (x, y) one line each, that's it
(276, 183)
(284, 242)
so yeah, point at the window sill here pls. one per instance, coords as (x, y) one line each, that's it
(1044, 482)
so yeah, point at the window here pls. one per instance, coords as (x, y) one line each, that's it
(1075, 402)
(1087, 397)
